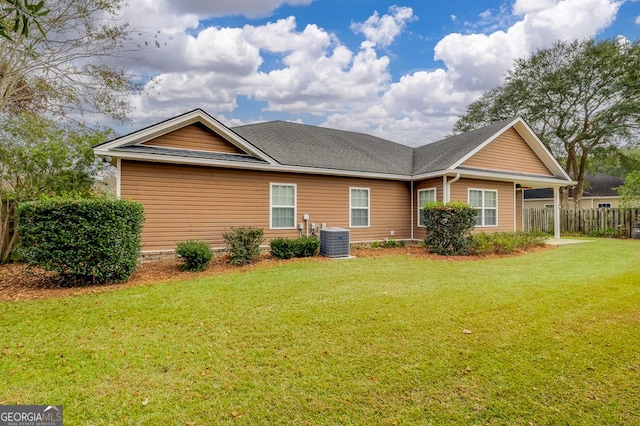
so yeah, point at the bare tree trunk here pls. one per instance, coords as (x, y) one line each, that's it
(579, 188)
(8, 233)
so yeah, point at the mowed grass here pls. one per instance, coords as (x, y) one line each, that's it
(555, 339)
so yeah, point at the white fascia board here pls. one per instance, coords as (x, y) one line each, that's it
(538, 181)
(170, 159)
(172, 124)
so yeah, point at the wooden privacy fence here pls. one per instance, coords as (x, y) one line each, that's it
(612, 222)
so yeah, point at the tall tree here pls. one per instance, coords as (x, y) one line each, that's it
(577, 96)
(71, 65)
(630, 191)
(615, 161)
(39, 157)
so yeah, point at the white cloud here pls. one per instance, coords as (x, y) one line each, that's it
(208, 9)
(311, 71)
(382, 30)
(522, 7)
(480, 60)
(638, 20)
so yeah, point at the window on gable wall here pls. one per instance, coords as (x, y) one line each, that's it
(424, 196)
(604, 205)
(486, 202)
(283, 205)
(359, 207)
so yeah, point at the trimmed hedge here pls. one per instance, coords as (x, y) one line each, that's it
(87, 241)
(389, 243)
(506, 242)
(243, 244)
(448, 227)
(196, 255)
(286, 248)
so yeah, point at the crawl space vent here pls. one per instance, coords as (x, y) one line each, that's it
(334, 242)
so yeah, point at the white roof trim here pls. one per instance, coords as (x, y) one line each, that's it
(173, 159)
(529, 136)
(539, 181)
(175, 123)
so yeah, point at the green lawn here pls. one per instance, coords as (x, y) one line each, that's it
(555, 339)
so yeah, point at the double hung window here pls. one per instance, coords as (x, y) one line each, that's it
(359, 207)
(486, 202)
(283, 206)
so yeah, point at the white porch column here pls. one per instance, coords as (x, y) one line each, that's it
(556, 212)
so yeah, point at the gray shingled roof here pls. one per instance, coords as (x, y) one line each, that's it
(444, 153)
(295, 144)
(597, 185)
(311, 146)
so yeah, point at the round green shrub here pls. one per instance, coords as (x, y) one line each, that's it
(243, 244)
(448, 227)
(196, 255)
(87, 241)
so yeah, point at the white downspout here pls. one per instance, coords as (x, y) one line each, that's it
(412, 226)
(448, 187)
(118, 176)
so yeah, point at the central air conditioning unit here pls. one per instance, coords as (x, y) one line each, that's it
(334, 242)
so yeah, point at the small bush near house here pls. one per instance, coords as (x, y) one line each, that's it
(390, 243)
(505, 242)
(196, 255)
(286, 248)
(448, 227)
(243, 244)
(87, 241)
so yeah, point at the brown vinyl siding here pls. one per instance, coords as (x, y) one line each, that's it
(508, 152)
(506, 219)
(192, 202)
(418, 231)
(195, 137)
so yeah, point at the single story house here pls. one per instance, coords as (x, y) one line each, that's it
(600, 192)
(197, 177)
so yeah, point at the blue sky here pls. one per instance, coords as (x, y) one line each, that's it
(402, 70)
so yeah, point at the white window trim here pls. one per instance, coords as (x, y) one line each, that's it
(601, 206)
(435, 197)
(483, 190)
(368, 208)
(271, 205)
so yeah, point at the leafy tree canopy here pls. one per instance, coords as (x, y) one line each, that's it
(40, 158)
(615, 161)
(577, 96)
(630, 191)
(16, 17)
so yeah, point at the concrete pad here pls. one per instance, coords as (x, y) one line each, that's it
(562, 241)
